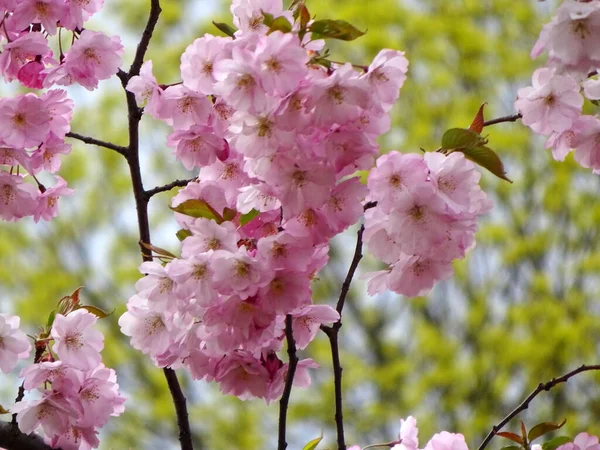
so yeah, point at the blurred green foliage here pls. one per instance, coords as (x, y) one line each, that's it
(521, 309)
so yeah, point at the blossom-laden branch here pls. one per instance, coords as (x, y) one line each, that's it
(332, 333)
(538, 390)
(141, 202)
(93, 141)
(289, 380)
(167, 187)
(11, 438)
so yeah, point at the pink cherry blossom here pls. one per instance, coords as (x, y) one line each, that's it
(447, 441)
(198, 61)
(408, 436)
(587, 142)
(52, 412)
(307, 320)
(14, 344)
(386, 75)
(45, 12)
(75, 341)
(48, 200)
(553, 103)
(20, 52)
(18, 198)
(146, 89)
(198, 146)
(79, 11)
(24, 122)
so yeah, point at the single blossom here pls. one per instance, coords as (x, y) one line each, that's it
(75, 341)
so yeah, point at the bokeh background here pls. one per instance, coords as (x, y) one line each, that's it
(522, 308)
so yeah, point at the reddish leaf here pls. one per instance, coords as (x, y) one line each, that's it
(477, 124)
(512, 436)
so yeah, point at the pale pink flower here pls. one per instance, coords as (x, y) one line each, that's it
(413, 276)
(47, 156)
(553, 103)
(247, 14)
(99, 395)
(408, 436)
(14, 344)
(386, 75)
(208, 235)
(242, 375)
(198, 61)
(76, 437)
(146, 89)
(349, 150)
(146, 327)
(45, 12)
(22, 51)
(284, 251)
(157, 286)
(587, 142)
(591, 89)
(286, 291)
(198, 146)
(260, 197)
(36, 374)
(394, 177)
(60, 108)
(344, 207)
(183, 108)
(24, 122)
(75, 341)
(79, 11)
(282, 62)
(48, 200)
(447, 441)
(193, 277)
(582, 441)
(53, 412)
(307, 320)
(238, 273)
(17, 198)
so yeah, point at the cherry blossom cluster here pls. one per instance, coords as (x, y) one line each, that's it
(552, 106)
(425, 217)
(408, 440)
(32, 127)
(277, 138)
(75, 393)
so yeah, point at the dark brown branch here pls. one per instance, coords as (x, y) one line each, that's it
(142, 47)
(134, 114)
(333, 331)
(289, 381)
(20, 396)
(11, 438)
(93, 141)
(538, 390)
(168, 187)
(504, 119)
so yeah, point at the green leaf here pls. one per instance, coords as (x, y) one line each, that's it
(511, 447)
(268, 19)
(51, 319)
(3, 410)
(97, 311)
(459, 138)
(487, 158)
(227, 29)
(543, 428)
(245, 218)
(335, 29)
(182, 234)
(512, 436)
(280, 24)
(313, 444)
(552, 444)
(198, 208)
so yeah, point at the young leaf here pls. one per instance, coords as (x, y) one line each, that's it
(511, 447)
(487, 158)
(280, 24)
(477, 124)
(158, 250)
(100, 314)
(198, 208)
(51, 319)
(313, 444)
(182, 234)
(553, 444)
(523, 431)
(268, 19)
(543, 428)
(459, 138)
(227, 29)
(229, 214)
(512, 436)
(3, 410)
(335, 29)
(304, 16)
(245, 218)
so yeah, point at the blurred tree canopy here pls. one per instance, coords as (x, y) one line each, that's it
(521, 309)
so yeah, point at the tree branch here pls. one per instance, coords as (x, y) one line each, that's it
(538, 390)
(142, 47)
(93, 141)
(333, 331)
(11, 438)
(167, 187)
(512, 118)
(134, 114)
(289, 381)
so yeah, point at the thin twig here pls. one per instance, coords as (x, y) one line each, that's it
(504, 119)
(93, 141)
(20, 396)
(333, 331)
(289, 381)
(167, 187)
(538, 390)
(142, 47)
